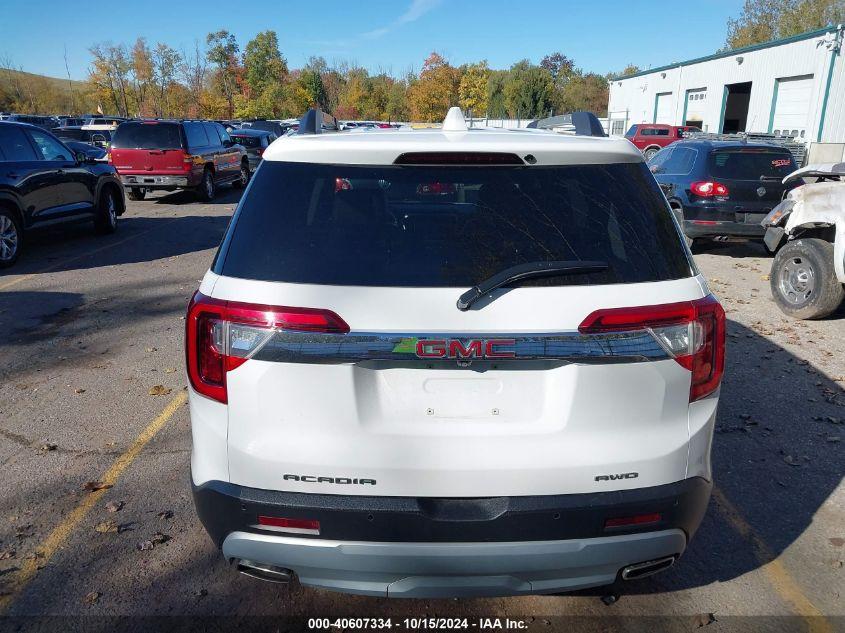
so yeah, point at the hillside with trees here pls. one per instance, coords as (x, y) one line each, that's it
(222, 79)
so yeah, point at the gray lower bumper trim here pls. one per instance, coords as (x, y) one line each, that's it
(432, 570)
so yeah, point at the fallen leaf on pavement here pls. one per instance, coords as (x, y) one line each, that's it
(10, 553)
(169, 370)
(80, 391)
(165, 514)
(144, 546)
(159, 538)
(23, 531)
(92, 598)
(104, 527)
(92, 486)
(789, 459)
(114, 506)
(704, 619)
(46, 448)
(159, 390)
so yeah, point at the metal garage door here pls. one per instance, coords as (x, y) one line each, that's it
(663, 108)
(791, 105)
(696, 107)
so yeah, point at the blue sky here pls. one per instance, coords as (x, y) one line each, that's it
(392, 35)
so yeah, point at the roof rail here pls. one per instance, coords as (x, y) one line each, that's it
(314, 121)
(584, 123)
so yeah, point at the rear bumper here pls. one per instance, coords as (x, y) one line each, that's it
(155, 181)
(447, 547)
(714, 228)
(438, 570)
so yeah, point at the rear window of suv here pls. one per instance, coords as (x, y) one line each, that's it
(750, 164)
(132, 135)
(424, 226)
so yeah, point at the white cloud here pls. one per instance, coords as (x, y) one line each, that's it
(413, 13)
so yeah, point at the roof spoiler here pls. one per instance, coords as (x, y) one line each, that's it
(314, 121)
(585, 123)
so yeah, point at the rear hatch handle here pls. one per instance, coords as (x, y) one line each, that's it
(528, 270)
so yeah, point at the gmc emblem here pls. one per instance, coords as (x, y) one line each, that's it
(466, 349)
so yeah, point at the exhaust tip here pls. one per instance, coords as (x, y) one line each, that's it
(647, 568)
(262, 571)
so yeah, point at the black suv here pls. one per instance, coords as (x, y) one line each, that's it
(722, 188)
(44, 183)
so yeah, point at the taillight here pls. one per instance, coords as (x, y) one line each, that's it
(187, 161)
(691, 332)
(108, 158)
(709, 189)
(222, 335)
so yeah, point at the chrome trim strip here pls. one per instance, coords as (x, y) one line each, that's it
(307, 347)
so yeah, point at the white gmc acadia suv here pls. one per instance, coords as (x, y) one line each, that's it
(452, 362)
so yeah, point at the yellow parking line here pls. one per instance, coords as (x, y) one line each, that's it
(782, 582)
(17, 280)
(61, 532)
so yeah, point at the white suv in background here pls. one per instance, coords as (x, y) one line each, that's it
(452, 362)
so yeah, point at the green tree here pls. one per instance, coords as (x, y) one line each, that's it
(587, 92)
(560, 67)
(496, 107)
(313, 83)
(222, 52)
(764, 20)
(529, 91)
(472, 89)
(263, 63)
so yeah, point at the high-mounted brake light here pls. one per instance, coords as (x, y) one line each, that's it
(222, 335)
(709, 189)
(691, 332)
(458, 158)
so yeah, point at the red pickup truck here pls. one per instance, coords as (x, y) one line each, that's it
(650, 138)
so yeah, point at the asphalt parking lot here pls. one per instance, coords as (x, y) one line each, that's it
(92, 390)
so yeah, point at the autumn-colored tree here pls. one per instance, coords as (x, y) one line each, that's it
(193, 70)
(435, 91)
(110, 76)
(473, 88)
(222, 52)
(764, 20)
(165, 65)
(351, 99)
(142, 73)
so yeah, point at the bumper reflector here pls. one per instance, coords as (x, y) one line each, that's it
(292, 526)
(639, 519)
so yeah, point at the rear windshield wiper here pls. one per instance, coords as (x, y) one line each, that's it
(527, 271)
(765, 178)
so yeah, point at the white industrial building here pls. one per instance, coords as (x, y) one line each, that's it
(792, 87)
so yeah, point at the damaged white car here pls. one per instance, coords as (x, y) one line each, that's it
(807, 231)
